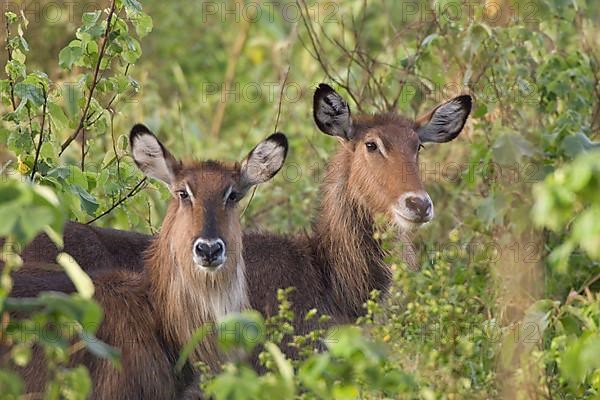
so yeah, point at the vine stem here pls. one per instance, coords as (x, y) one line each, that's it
(81, 124)
(41, 139)
(129, 195)
(9, 54)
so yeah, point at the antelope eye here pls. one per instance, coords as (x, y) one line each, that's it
(182, 194)
(233, 197)
(371, 146)
(421, 147)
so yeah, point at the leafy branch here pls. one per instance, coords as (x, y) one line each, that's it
(318, 50)
(136, 189)
(10, 58)
(95, 81)
(41, 138)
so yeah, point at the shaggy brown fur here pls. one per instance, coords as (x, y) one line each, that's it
(151, 314)
(336, 268)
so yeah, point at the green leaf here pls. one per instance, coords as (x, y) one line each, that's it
(312, 371)
(586, 231)
(510, 149)
(11, 17)
(429, 39)
(101, 349)
(283, 365)
(491, 209)
(11, 384)
(480, 111)
(581, 357)
(143, 25)
(90, 18)
(572, 145)
(18, 56)
(83, 283)
(11, 193)
(33, 220)
(75, 383)
(21, 354)
(133, 6)
(70, 55)
(245, 330)
(133, 51)
(15, 69)
(348, 391)
(88, 202)
(30, 92)
(57, 117)
(198, 336)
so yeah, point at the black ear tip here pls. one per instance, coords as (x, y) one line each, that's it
(138, 130)
(324, 86)
(465, 100)
(280, 139)
(323, 89)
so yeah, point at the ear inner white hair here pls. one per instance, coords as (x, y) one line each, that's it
(150, 157)
(446, 121)
(263, 162)
(332, 113)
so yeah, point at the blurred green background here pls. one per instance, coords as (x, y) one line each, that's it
(212, 78)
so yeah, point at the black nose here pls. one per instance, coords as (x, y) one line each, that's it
(209, 251)
(420, 206)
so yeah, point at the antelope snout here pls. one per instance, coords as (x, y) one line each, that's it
(415, 207)
(420, 206)
(209, 253)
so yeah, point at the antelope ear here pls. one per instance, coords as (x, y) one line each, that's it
(264, 161)
(331, 112)
(444, 122)
(151, 156)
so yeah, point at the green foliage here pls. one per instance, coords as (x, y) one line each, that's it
(43, 191)
(351, 366)
(512, 254)
(567, 203)
(26, 210)
(569, 198)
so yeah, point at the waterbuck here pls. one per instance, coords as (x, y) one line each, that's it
(193, 274)
(375, 171)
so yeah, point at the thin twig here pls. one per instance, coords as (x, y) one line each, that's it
(110, 103)
(28, 107)
(265, 210)
(232, 62)
(589, 283)
(41, 139)
(129, 195)
(9, 53)
(81, 124)
(285, 78)
(249, 201)
(114, 144)
(6, 165)
(318, 49)
(83, 150)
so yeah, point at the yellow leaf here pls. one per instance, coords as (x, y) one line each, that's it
(21, 166)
